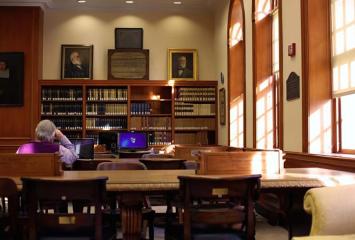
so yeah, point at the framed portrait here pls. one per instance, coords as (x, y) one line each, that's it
(77, 61)
(222, 106)
(11, 78)
(129, 38)
(182, 64)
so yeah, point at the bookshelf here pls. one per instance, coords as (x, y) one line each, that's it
(195, 115)
(181, 112)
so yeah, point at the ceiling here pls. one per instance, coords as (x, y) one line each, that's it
(115, 4)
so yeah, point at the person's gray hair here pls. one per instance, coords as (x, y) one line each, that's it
(45, 131)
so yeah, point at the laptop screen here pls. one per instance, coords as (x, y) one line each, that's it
(84, 147)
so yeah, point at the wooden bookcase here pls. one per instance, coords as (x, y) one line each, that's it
(181, 112)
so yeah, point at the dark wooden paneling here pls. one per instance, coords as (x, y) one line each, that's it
(316, 59)
(296, 160)
(22, 31)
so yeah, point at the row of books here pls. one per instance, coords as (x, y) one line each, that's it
(61, 109)
(73, 135)
(159, 138)
(192, 124)
(189, 109)
(106, 109)
(141, 108)
(106, 123)
(62, 94)
(195, 94)
(68, 123)
(151, 123)
(107, 94)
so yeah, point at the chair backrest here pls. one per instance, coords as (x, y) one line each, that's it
(9, 206)
(121, 166)
(241, 162)
(50, 211)
(157, 155)
(31, 165)
(219, 201)
(190, 152)
(87, 165)
(163, 163)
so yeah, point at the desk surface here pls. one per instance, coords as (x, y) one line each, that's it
(129, 180)
(165, 180)
(307, 177)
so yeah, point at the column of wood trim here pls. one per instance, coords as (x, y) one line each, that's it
(305, 93)
(254, 72)
(229, 70)
(308, 21)
(281, 112)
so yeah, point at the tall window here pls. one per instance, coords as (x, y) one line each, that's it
(267, 67)
(343, 69)
(236, 55)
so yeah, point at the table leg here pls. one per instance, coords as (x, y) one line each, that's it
(131, 214)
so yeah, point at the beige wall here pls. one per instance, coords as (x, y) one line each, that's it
(291, 34)
(162, 30)
(220, 47)
(291, 28)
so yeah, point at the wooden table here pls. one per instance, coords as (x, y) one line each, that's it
(132, 185)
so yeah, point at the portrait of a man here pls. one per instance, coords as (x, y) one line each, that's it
(76, 62)
(11, 78)
(182, 64)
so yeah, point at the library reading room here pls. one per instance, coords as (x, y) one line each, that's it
(177, 119)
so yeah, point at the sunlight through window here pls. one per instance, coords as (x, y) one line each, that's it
(264, 115)
(343, 49)
(348, 121)
(236, 34)
(237, 122)
(263, 8)
(320, 130)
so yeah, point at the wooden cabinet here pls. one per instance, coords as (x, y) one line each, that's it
(182, 112)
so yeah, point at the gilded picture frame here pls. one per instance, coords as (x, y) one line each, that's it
(182, 64)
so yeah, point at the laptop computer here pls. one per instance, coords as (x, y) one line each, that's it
(84, 147)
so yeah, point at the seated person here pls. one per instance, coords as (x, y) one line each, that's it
(46, 133)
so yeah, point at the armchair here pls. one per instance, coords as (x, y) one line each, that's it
(333, 211)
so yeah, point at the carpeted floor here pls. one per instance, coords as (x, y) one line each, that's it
(264, 231)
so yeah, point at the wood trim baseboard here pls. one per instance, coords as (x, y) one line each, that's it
(336, 162)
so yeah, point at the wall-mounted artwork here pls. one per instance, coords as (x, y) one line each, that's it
(126, 64)
(182, 64)
(11, 78)
(77, 61)
(129, 38)
(222, 106)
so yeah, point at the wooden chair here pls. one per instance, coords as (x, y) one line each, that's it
(148, 213)
(47, 206)
(87, 164)
(9, 208)
(219, 204)
(163, 163)
(121, 166)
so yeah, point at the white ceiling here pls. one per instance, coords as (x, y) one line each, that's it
(115, 4)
